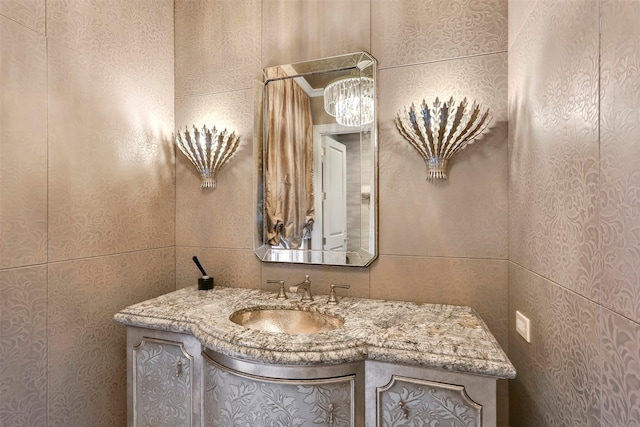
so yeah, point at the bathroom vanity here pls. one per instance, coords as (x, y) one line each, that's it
(375, 363)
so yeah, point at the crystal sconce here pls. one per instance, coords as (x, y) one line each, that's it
(350, 101)
(208, 150)
(440, 132)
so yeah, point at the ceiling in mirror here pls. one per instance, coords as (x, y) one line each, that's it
(317, 171)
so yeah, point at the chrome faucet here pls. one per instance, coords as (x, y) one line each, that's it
(306, 287)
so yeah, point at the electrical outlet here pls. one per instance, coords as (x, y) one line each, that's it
(523, 326)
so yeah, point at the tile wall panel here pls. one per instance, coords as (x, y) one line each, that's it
(111, 160)
(217, 45)
(30, 13)
(481, 284)
(409, 32)
(311, 29)
(23, 347)
(23, 146)
(519, 11)
(466, 215)
(236, 268)
(620, 370)
(559, 372)
(222, 217)
(134, 36)
(553, 179)
(620, 157)
(87, 358)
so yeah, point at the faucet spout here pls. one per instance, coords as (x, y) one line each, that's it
(305, 286)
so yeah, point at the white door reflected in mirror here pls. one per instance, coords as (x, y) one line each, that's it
(334, 186)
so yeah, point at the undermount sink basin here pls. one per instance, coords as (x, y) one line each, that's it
(288, 321)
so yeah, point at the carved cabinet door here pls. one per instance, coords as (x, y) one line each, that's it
(411, 396)
(408, 402)
(236, 399)
(162, 384)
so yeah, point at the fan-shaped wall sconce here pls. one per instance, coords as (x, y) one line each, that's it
(440, 132)
(208, 150)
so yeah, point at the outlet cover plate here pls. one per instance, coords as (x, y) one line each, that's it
(523, 326)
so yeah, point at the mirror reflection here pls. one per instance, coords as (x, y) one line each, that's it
(316, 201)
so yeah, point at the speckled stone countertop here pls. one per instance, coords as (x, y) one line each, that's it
(436, 336)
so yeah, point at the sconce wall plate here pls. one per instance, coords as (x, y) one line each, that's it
(208, 150)
(440, 132)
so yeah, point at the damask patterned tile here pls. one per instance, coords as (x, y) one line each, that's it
(519, 11)
(294, 31)
(465, 215)
(408, 32)
(480, 284)
(558, 382)
(134, 36)
(23, 143)
(23, 347)
(87, 358)
(321, 278)
(620, 157)
(553, 137)
(224, 217)
(217, 45)
(30, 13)
(236, 268)
(620, 370)
(111, 160)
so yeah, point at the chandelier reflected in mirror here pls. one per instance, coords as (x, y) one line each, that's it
(350, 101)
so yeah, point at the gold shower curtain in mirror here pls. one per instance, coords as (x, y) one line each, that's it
(289, 205)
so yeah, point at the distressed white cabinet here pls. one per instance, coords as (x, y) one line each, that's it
(164, 379)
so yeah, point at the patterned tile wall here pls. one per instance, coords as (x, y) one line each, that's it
(135, 37)
(408, 32)
(23, 138)
(310, 29)
(574, 212)
(111, 167)
(30, 13)
(23, 346)
(554, 169)
(620, 157)
(87, 170)
(87, 357)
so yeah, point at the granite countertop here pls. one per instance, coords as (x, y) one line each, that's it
(436, 336)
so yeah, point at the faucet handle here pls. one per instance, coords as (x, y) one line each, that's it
(282, 294)
(333, 299)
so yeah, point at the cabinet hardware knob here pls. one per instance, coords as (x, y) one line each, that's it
(404, 409)
(331, 416)
(178, 368)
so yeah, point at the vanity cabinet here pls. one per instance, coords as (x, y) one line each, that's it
(163, 379)
(174, 382)
(390, 364)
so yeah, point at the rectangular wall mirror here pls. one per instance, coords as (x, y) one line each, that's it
(316, 151)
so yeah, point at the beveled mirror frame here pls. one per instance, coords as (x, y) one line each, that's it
(359, 63)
